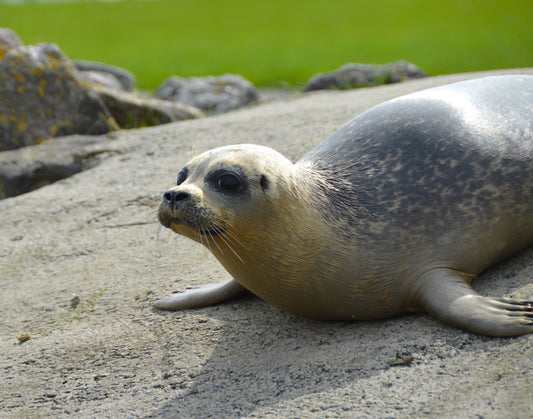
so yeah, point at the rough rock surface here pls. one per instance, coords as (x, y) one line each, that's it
(105, 352)
(125, 78)
(131, 111)
(351, 76)
(211, 94)
(100, 79)
(8, 40)
(32, 167)
(41, 97)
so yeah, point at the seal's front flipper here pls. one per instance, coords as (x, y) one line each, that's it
(201, 297)
(446, 295)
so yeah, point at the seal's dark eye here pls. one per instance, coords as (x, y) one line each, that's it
(229, 182)
(182, 175)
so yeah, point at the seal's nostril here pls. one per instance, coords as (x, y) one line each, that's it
(175, 196)
(181, 196)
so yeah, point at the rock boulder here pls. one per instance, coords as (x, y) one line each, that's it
(8, 40)
(41, 96)
(352, 76)
(212, 95)
(124, 77)
(32, 167)
(131, 111)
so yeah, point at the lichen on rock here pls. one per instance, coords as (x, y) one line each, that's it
(41, 96)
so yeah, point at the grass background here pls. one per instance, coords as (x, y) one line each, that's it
(272, 42)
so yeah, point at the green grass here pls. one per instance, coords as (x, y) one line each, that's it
(274, 41)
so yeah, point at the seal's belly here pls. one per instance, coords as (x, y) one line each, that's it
(376, 279)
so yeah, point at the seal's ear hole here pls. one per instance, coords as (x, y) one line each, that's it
(182, 175)
(264, 183)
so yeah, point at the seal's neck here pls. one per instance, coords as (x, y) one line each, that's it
(280, 243)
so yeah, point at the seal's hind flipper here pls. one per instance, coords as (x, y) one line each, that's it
(446, 295)
(201, 297)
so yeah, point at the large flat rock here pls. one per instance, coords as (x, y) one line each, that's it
(96, 235)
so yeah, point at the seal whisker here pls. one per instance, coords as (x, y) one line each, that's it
(234, 240)
(231, 235)
(158, 239)
(228, 241)
(202, 239)
(210, 237)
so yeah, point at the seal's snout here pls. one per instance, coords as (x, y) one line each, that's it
(169, 205)
(172, 197)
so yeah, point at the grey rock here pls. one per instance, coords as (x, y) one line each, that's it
(98, 78)
(126, 79)
(351, 76)
(8, 40)
(41, 96)
(399, 71)
(211, 94)
(131, 111)
(32, 167)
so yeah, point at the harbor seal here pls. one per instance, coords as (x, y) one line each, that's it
(395, 212)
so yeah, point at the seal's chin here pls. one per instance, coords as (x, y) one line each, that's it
(165, 218)
(178, 226)
(165, 223)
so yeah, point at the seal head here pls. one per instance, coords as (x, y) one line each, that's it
(224, 190)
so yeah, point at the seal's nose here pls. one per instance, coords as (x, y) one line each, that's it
(171, 197)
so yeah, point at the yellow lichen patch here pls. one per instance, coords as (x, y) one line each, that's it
(75, 82)
(18, 77)
(20, 89)
(21, 123)
(3, 119)
(41, 87)
(112, 124)
(89, 85)
(53, 129)
(53, 58)
(37, 72)
(64, 122)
